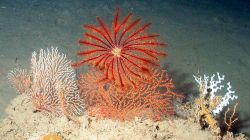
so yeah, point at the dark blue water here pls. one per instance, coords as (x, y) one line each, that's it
(204, 37)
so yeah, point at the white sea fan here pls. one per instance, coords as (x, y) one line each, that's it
(20, 79)
(54, 89)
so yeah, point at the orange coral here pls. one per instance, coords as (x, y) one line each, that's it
(152, 98)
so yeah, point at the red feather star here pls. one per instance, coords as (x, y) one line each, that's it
(125, 52)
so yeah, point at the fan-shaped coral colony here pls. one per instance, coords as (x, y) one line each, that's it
(124, 79)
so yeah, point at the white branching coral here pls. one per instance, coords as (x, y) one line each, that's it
(225, 99)
(210, 85)
(52, 78)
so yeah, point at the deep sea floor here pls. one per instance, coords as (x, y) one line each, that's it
(203, 37)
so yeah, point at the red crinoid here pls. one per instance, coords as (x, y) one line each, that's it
(125, 53)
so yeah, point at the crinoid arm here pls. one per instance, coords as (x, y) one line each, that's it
(124, 52)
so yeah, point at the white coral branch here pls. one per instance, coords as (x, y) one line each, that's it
(211, 85)
(225, 99)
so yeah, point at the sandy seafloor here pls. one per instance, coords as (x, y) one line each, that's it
(206, 36)
(23, 123)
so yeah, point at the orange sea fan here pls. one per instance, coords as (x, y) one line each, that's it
(124, 52)
(151, 99)
(90, 86)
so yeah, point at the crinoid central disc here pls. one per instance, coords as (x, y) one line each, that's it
(116, 52)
